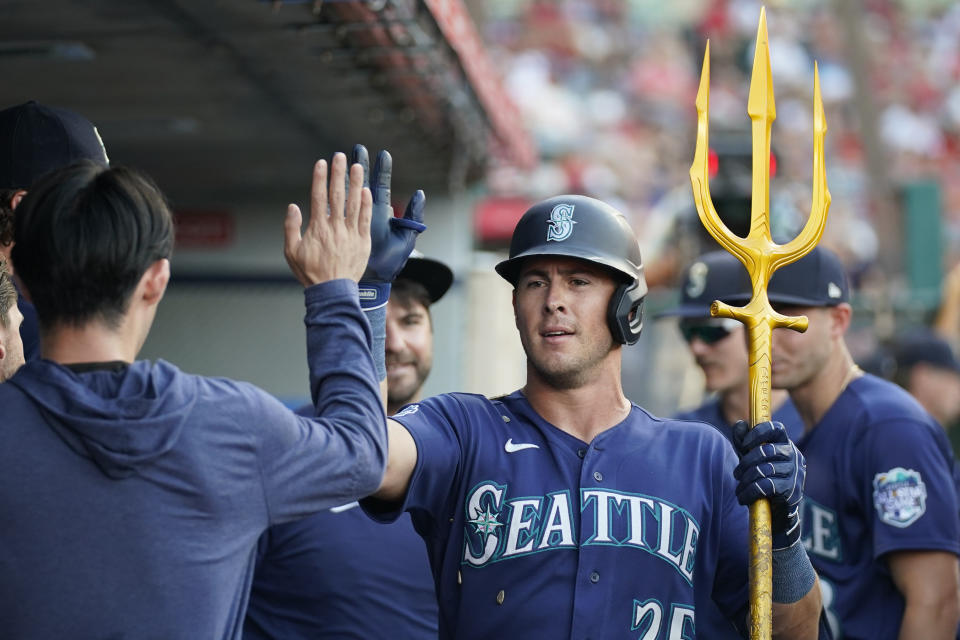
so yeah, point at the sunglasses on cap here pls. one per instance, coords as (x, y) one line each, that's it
(708, 331)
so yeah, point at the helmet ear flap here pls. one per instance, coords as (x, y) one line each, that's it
(625, 313)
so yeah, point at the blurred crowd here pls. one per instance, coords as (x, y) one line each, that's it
(608, 88)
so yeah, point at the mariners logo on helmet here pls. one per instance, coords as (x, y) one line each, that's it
(560, 223)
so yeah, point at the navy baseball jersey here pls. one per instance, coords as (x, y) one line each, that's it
(338, 574)
(533, 533)
(879, 480)
(711, 413)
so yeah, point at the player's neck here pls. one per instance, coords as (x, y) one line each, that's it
(93, 342)
(97, 341)
(814, 398)
(585, 411)
(735, 404)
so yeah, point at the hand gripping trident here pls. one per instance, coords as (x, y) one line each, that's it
(761, 257)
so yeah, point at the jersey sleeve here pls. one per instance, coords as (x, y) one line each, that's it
(908, 481)
(338, 453)
(435, 426)
(730, 586)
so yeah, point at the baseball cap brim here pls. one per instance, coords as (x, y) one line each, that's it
(780, 298)
(925, 346)
(685, 311)
(435, 276)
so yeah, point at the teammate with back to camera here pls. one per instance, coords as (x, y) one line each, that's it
(338, 574)
(138, 492)
(880, 512)
(565, 511)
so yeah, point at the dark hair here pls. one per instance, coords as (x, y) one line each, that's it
(85, 235)
(6, 216)
(8, 293)
(405, 291)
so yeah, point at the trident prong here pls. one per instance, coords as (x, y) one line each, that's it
(761, 256)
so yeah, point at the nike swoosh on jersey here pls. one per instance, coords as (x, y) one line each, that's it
(509, 447)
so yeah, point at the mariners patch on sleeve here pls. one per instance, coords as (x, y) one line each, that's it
(899, 496)
(413, 408)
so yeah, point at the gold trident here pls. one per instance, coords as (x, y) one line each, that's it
(761, 257)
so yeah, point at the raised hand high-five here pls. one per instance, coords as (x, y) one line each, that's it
(336, 242)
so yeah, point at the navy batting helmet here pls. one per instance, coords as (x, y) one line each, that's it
(585, 228)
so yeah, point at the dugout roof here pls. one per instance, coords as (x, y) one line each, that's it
(231, 101)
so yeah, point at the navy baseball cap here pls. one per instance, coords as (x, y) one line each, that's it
(923, 345)
(717, 275)
(818, 279)
(435, 276)
(36, 139)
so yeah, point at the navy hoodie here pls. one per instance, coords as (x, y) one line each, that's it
(131, 500)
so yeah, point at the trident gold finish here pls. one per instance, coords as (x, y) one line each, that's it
(761, 257)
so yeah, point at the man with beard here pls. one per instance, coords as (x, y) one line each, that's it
(338, 574)
(409, 347)
(565, 511)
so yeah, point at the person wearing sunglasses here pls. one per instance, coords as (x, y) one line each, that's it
(719, 346)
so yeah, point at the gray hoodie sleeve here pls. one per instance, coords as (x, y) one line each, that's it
(339, 455)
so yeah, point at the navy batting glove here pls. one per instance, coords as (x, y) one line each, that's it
(771, 467)
(391, 238)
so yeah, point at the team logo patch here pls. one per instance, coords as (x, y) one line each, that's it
(561, 222)
(899, 496)
(406, 411)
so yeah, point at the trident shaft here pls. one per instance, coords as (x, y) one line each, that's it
(761, 257)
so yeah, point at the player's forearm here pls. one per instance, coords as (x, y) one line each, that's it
(798, 620)
(401, 461)
(929, 582)
(343, 381)
(931, 620)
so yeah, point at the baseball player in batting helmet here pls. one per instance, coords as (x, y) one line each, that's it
(563, 510)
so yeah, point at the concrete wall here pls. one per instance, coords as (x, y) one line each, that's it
(234, 311)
